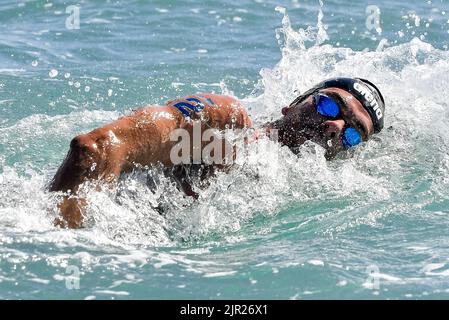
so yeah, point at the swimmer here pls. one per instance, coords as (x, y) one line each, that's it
(337, 114)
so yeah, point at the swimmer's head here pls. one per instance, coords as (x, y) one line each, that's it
(337, 114)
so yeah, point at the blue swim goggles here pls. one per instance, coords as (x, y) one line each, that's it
(328, 107)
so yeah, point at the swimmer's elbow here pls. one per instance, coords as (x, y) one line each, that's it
(77, 164)
(244, 120)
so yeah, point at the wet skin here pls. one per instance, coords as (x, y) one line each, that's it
(143, 138)
(140, 138)
(302, 122)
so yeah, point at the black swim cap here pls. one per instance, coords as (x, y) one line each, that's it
(365, 91)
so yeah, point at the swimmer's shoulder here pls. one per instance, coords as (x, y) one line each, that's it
(232, 109)
(214, 107)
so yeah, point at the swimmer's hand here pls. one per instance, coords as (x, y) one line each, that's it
(71, 213)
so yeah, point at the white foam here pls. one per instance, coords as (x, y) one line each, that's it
(161, 10)
(40, 281)
(112, 292)
(316, 262)
(219, 274)
(98, 21)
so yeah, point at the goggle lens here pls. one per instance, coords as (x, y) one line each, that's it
(351, 138)
(326, 106)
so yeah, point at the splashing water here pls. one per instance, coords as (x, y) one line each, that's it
(312, 227)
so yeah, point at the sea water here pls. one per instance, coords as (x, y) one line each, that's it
(372, 224)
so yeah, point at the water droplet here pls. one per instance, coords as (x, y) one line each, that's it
(109, 92)
(67, 75)
(77, 84)
(34, 63)
(86, 88)
(53, 73)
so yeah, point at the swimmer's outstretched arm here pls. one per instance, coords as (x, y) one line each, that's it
(102, 154)
(143, 137)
